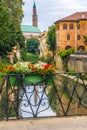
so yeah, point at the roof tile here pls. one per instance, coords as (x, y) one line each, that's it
(75, 17)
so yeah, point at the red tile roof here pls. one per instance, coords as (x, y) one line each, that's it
(75, 17)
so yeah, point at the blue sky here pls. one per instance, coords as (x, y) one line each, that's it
(49, 11)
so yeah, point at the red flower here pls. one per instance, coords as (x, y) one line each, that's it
(47, 66)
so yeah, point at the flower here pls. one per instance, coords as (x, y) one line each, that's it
(27, 67)
(9, 69)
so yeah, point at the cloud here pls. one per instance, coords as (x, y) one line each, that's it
(49, 11)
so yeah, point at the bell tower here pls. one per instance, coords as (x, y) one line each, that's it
(34, 16)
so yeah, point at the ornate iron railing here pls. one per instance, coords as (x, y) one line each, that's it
(25, 96)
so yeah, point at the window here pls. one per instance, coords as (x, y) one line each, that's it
(78, 37)
(64, 26)
(71, 26)
(68, 36)
(67, 47)
(81, 48)
(78, 26)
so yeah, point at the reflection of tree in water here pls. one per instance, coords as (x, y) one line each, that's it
(52, 98)
(72, 94)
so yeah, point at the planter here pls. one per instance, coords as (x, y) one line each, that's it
(33, 79)
(15, 80)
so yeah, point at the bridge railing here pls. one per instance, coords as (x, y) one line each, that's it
(28, 96)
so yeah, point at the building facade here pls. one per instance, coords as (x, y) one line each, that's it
(70, 32)
(30, 31)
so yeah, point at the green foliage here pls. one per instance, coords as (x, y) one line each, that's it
(3, 62)
(53, 98)
(15, 58)
(7, 34)
(20, 39)
(64, 53)
(85, 37)
(48, 59)
(25, 56)
(33, 57)
(42, 58)
(51, 39)
(65, 56)
(34, 79)
(32, 45)
(15, 9)
(10, 20)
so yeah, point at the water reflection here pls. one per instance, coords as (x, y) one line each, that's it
(35, 103)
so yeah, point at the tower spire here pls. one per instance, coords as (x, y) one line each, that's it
(34, 16)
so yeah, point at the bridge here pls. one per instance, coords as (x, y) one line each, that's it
(50, 102)
(63, 123)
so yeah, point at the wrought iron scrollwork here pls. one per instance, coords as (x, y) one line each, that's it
(61, 94)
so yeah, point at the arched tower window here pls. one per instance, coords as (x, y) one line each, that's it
(81, 48)
(67, 47)
(71, 26)
(64, 26)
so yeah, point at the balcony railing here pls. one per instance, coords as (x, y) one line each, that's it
(26, 96)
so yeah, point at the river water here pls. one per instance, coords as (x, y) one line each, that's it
(35, 103)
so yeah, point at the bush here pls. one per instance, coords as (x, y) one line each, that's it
(64, 53)
(4, 61)
(65, 56)
(48, 59)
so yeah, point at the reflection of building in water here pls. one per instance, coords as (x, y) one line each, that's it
(36, 94)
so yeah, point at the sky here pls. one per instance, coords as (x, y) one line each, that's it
(49, 11)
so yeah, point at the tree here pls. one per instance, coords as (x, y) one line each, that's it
(32, 45)
(20, 39)
(10, 29)
(51, 39)
(7, 33)
(15, 9)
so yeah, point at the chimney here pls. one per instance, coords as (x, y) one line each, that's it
(83, 16)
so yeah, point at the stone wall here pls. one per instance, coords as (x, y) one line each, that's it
(78, 63)
(59, 64)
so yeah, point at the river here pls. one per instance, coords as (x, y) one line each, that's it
(35, 103)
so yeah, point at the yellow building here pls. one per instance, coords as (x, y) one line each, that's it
(70, 31)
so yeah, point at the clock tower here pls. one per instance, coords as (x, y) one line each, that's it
(34, 16)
